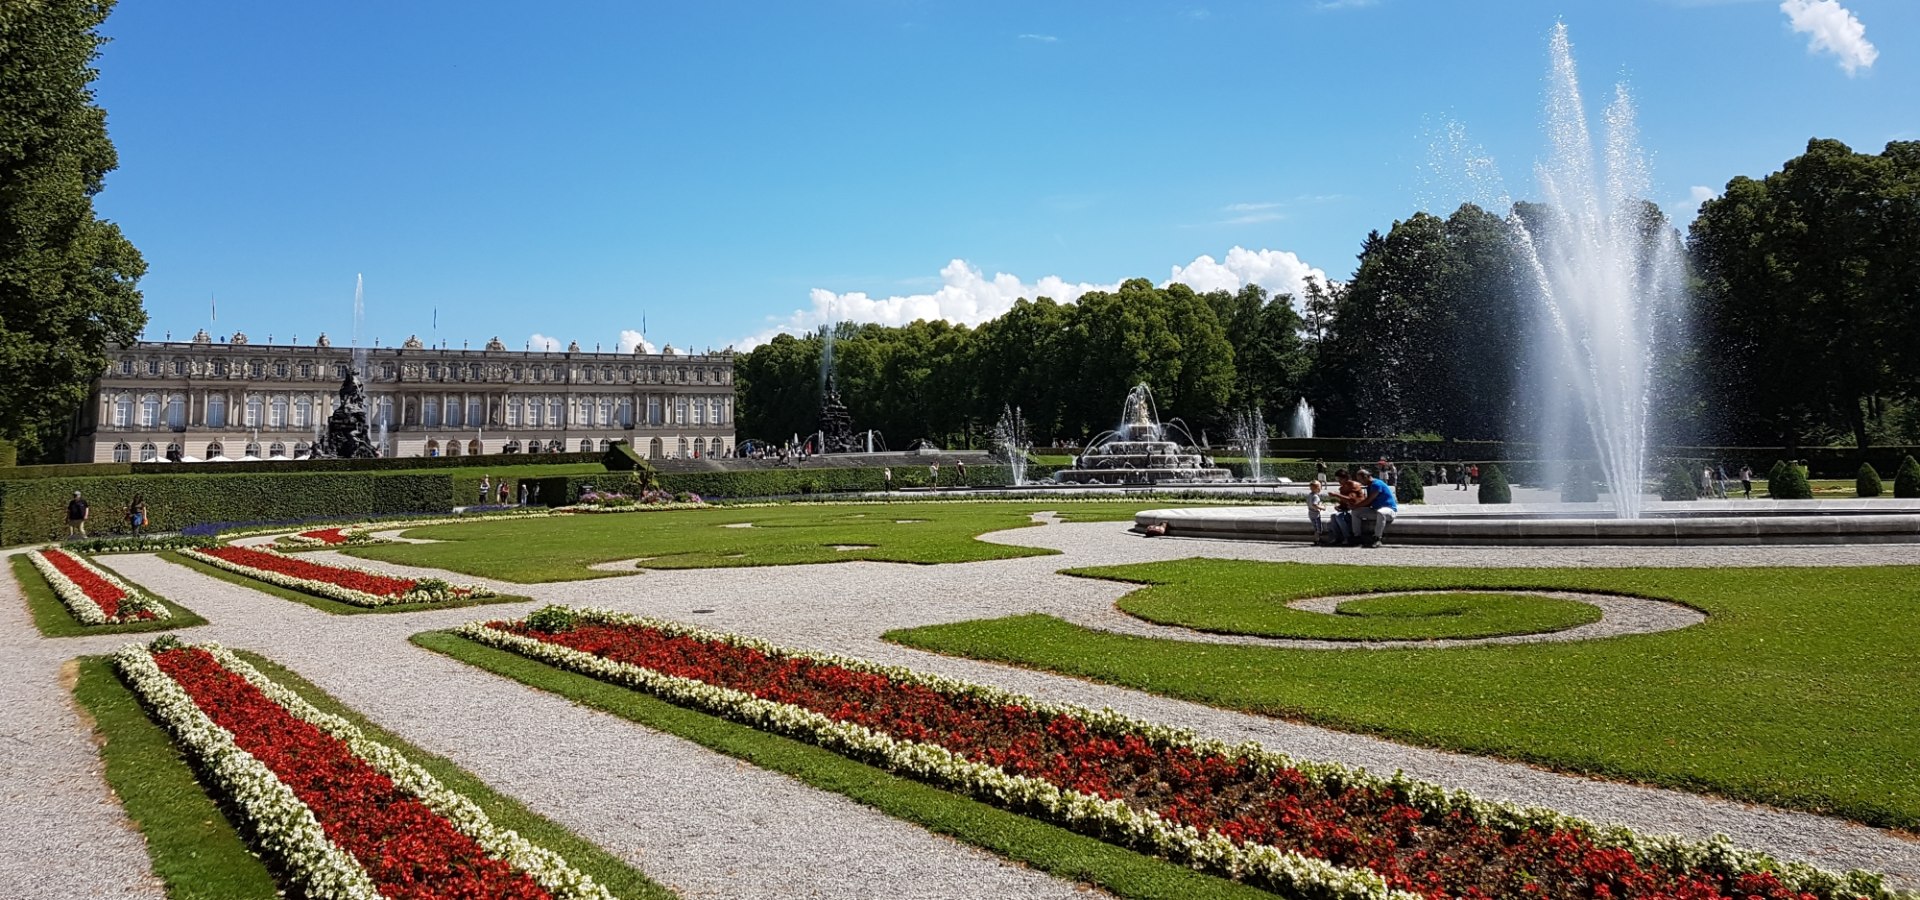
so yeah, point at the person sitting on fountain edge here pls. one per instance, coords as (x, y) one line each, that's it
(1376, 510)
(1346, 498)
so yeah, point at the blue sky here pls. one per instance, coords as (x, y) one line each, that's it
(727, 169)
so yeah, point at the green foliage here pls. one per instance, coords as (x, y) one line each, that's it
(1410, 485)
(1580, 486)
(1791, 485)
(36, 510)
(64, 470)
(1777, 471)
(1493, 485)
(377, 464)
(145, 543)
(551, 619)
(1680, 482)
(9, 455)
(1906, 481)
(66, 277)
(1867, 483)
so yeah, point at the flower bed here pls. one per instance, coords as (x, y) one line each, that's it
(346, 816)
(1242, 811)
(92, 594)
(343, 583)
(320, 538)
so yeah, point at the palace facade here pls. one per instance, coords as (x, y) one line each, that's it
(203, 398)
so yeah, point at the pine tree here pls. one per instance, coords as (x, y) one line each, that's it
(1867, 483)
(1493, 485)
(1906, 480)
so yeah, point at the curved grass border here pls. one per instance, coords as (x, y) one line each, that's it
(53, 620)
(194, 847)
(1048, 848)
(328, 604)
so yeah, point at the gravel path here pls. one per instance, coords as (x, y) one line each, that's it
(712, 827)
(63, 831)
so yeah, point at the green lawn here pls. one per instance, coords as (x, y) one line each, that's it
(325, 604)
(199, 855)
(1241, 597)
(561, 548)
(1802, 689)
(1046, 847)
(53, 619)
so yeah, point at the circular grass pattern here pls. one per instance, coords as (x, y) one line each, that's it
(1415, 616)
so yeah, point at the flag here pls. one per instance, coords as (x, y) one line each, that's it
(436, 318)
(213, 307)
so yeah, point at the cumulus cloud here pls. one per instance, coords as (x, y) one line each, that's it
(540, 341)
(631, 340)
(1832, 28)
(968, 297)
(1701, 194)
(1041, 38)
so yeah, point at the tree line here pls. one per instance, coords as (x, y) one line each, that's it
(1798, 327)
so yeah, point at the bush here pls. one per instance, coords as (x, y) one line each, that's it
(1906, 482)
(1493, 485)
(9, 455)
(1580, 487)
(1778, 471)
(1680, 483)
(1791, 485)
(1412, 486)
(1867, 483)
(36, 510)
(551, 619)
(379, 464)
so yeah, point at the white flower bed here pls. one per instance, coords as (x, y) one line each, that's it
(286, 827)
(425, 590)
(1113, 820)
(83, 608)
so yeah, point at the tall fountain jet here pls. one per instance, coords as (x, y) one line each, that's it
(1605, 267)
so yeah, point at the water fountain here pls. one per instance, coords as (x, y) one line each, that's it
(1302, 424)
(1010, 440)
(1138, 452)
(1250, 433)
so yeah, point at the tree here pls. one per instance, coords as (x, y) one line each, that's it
(67, 278)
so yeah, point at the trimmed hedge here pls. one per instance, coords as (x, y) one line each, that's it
(1791, 485)
(64, 470)
(36, 510)
(1906, 482)
(1580, 486)
(1493, 485)
(9, 455)
(380, 464)
(1680, 483)
(1867, 483)
(1410, 486)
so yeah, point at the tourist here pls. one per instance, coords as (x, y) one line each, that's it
(505, 492)
(1316, 496)
(1746, 481)
(523, 493)
(137, 515)
(933, 475)
(486, 489)
(1376, 511)
(886, 480)
(536, 493)
(77, 510)
(1473, 474)
(1461, 474)
(960, 471)
(1706, 483)
(1344, 500)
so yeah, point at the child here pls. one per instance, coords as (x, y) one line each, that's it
(1315, 496)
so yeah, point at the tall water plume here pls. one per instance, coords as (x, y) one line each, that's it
(1605, 267)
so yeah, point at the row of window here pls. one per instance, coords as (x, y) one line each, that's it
(688, 447)
(300, 411)
(273, 412)
(258, 368)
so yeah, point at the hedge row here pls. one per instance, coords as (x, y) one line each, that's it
(63, 470)
(381, 464)
(36, 510)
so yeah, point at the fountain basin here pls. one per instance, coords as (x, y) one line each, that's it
(1581, 524)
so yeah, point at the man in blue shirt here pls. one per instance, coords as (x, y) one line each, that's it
(1376, 510)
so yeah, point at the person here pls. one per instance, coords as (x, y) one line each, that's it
(1315, 498)
(1320, 470)
(960, 471)
(1473, 474)
(77, 511)
(1746, 481)
(523, 493)
(1344, 500)
(1461, 474)
(504, 492)
(1376, 510)
(137, 515)
(1706, 483)
(933, 475)
(886, 479)
(536, 493)
(486, 489)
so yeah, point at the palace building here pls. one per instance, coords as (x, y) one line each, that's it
(204, 399)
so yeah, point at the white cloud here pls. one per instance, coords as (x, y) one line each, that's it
(630, 339)
(1345, 4)
(1042, 38)
(1830, 27)
(966, 296)
(540, 341)
(1701, 194)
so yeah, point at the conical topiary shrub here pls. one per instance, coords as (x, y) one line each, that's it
(1410, 486)
(1867, 483)
(1580, 487)
(1906, 481)
(1493, 485)
(1779, 469)
(1679, 483)
(1791, 485)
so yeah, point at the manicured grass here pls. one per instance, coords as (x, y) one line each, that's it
(1802, 689)
(198, 853)
(53, 619)
(561, 548)
(326, 604)
(1242, 597)
(1043, 846)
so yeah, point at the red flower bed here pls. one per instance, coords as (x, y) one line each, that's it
(102, 592)
(367, 582)
(1436, 855)
(328, 536)
(411, 852)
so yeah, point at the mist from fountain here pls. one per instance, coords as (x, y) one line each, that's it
(1604, 266)
(1010, 439)
(1250, 433)
(1301, 425)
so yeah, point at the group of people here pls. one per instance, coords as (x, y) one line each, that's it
(933, 475)
(505, 491)
(79, 511)
(1363, 506)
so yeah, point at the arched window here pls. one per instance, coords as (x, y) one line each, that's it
(683, 448)
(253, 411)
(214, 449)
(699, 410)
(150, 410)
(148, 452)
(679, 410)
(605, 445)
(556, 412)
(453, 448)
(302, 412)
(430, 412)
(216, 411)
(176, 411)
(433, 448)
(122, 452)
(123, 410)
(253, 449)
(554, 446)
(277, 412)
(301, 449)
(276, 450)
(655, 448)
(586, 445)
(513, 412)
(474, 448)
(172, 453)
(511, 447)
(713, 447)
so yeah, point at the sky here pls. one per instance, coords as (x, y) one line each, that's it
(712, 174)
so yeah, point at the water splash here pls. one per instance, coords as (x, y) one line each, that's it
(1010, 440)
(1301, 425)
(1250, 435)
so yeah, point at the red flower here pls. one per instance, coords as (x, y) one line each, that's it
(352, 579)
(102, 592)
